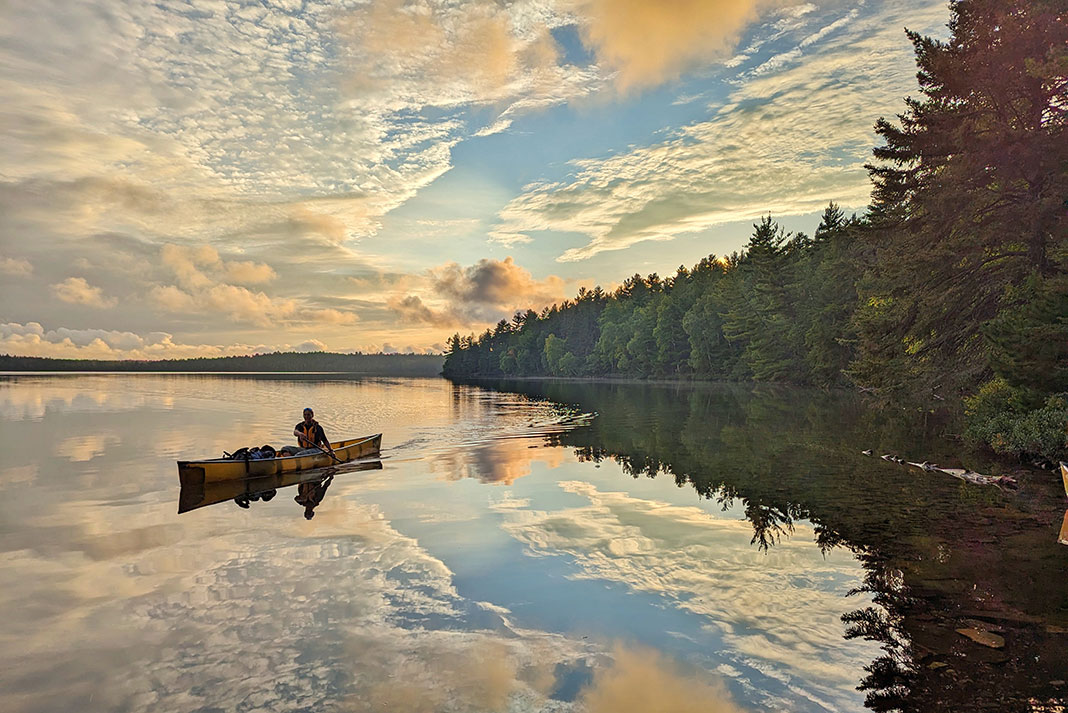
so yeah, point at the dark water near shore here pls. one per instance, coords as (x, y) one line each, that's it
(685, 549)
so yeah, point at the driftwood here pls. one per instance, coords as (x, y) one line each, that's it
(998, 481)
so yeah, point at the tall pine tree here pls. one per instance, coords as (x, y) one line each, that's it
(969, 197)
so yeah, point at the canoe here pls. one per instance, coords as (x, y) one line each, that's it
(195, 493)
(1064, 476)
(214, 470)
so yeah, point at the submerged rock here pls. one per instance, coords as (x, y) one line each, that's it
(984, 638)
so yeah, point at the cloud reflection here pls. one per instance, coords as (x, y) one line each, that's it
(501, 461)
(777, 613)
(641, 680)
(341, 609)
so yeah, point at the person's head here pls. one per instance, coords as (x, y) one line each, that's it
(309, 512)
(308, 415)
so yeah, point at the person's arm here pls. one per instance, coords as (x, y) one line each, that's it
(326, 441)
(302, 440)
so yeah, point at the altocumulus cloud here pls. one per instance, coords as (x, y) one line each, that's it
(785, 141)
(155, 135)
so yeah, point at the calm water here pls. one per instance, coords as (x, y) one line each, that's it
(681, 550)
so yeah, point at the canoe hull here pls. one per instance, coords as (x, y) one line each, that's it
(216, 470)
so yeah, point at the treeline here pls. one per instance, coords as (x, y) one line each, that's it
(777, 311)
(296, 362)
(953, 285)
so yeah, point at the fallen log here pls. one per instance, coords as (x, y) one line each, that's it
(998, 481)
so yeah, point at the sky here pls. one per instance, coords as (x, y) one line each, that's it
(187, 178)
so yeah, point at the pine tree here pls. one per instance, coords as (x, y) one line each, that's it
(969, 194)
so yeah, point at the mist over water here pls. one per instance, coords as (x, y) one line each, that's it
(509, 554)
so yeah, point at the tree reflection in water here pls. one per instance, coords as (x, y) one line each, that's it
(939, 555)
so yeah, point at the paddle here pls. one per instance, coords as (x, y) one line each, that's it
(330, 453)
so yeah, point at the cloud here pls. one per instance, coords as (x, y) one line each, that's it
(242, 305)
(15, 267)
(410, 308)
(199, 271)
(784, 142)
(32, 339)
(312, 345)
(280, 137)
(76, 290)
(186, 263)
(172, 299)
(451, 55)
(647, 43)
(495, 283)
(486, 292)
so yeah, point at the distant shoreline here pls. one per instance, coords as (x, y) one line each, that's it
(276, 363)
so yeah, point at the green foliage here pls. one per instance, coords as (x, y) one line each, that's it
(1003, 417)
(1029, 337)
(968, 199)
(559, 360)
(779, 311)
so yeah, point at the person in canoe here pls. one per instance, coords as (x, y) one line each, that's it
(310, 435)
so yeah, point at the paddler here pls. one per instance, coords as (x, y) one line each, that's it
(310, 435)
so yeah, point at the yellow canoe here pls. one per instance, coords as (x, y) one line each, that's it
(1064, 476)
(219, 469)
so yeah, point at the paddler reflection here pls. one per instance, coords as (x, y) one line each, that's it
(311, 493)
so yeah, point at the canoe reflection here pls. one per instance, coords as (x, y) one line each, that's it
(311, 487)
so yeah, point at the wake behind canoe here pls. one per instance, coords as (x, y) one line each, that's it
(218, 469)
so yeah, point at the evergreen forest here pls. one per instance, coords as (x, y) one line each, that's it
(949, 291)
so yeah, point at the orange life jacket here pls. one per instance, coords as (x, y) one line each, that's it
(310, 431)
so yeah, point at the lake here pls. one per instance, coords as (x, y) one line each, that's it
(523, 546)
